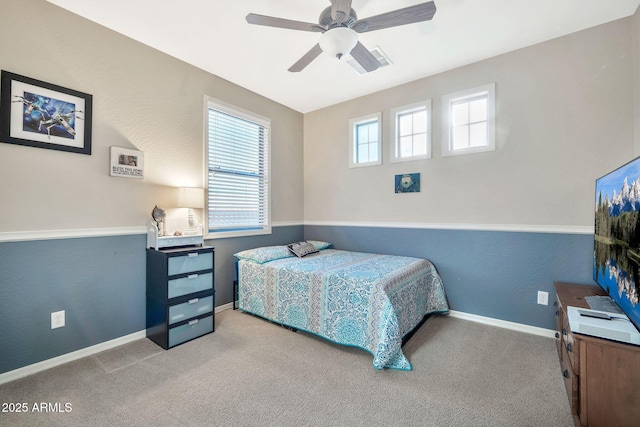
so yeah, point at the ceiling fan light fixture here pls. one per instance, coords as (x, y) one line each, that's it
(338, 42)
(340, 27)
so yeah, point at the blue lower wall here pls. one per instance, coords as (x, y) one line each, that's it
(487, 273)
(100, 282)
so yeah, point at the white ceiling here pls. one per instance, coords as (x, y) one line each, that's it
(214, 36)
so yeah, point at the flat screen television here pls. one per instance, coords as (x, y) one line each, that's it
(617, 237)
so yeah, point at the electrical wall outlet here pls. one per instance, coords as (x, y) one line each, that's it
(57, 319)
(543, 298)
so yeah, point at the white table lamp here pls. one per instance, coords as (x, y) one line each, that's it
(191, 198)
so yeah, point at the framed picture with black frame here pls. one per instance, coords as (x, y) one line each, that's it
(44, 115)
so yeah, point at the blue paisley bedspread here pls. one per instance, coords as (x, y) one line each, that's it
(358, 299)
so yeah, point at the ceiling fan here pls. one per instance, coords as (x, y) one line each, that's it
(340, 26)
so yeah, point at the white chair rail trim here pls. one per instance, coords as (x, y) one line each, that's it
(19, 236)
(522, 228)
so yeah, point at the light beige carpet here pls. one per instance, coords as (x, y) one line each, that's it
(253, 373)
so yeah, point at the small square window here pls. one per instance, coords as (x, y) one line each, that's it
(411, 132)
(365, 141)
(468, 121)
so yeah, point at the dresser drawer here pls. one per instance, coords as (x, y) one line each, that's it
(570, 382)
(192, 261)
(190, 284)
(559, 341)
(191, 330)
(192, 308)
(571, 346)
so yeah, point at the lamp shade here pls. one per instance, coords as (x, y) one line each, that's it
(338, 41)
(190, 197)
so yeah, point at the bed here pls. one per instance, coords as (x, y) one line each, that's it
(370, 301)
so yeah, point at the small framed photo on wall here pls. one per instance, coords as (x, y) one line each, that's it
(126, 163)
(407, 183)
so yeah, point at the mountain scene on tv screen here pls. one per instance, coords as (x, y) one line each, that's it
(617, 236)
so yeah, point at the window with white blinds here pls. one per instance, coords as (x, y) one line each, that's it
(238, 172)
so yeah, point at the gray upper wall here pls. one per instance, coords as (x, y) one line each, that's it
(565, 116)
(143, 100)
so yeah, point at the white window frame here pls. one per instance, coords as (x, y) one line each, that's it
(394, 137)
(487, 91)
(265, 226)
(353, 140)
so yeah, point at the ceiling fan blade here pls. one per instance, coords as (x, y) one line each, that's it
(306, 59)
(340, 10)
(271, 21)
(408, 15)
(365, 58)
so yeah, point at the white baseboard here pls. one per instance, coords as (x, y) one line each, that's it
(79, 354)
(224, 307)
(534, 330)
(69, 357)
(89, 351)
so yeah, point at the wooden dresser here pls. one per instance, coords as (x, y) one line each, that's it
(602, 377)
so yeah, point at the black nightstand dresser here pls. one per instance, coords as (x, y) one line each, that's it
(180, 294)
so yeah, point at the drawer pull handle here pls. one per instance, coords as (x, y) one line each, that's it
(565, 373)
(192, 254)
(193, 322)
(192, 276)
(569, 348)
(557, 335)
(557, 313)
(555, 303)
(564, 331)
(193, 301)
